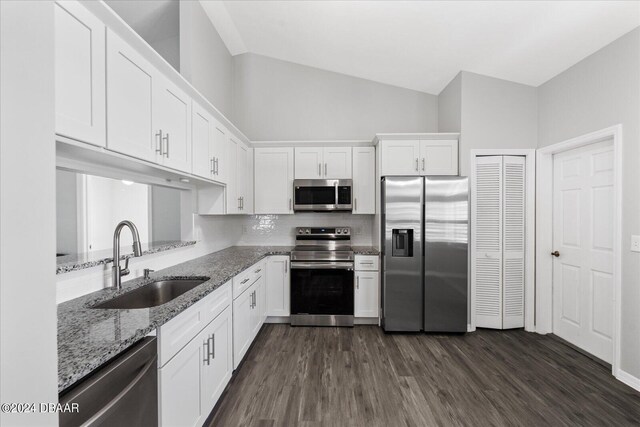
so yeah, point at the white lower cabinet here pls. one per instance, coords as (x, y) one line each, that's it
(217, 362)
(242, 325)
(192, 379)
(366, 294)
(277, 289)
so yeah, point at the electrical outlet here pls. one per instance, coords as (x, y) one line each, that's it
(635, 243)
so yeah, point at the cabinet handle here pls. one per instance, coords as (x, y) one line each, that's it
(159, 139)
(166, 139)
(357, 282)
(244, 281)
(319, 169)
(290, 208)
(213, 166)
(423, 164)
(286, 266)
(238, 203)
(355, 204)
(212, 349)
(217, 165)
(206, 352)
(366, 262)
(258, 270)
(416, 164)
(325, 170)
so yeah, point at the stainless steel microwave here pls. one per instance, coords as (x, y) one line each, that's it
(319, 195)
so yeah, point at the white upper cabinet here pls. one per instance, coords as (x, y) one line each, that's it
(439, 157)
(413, 157)
(400, 157)
(201, 143)
(323, 163)
(238, 157)
(273, 180)
(218, 151)
(79, 74)
(130, 82)
(337, 162)
(309, 163)
(364, 180)
(172, 116)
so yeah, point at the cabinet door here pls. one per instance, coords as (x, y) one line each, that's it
(201, 142)
(256, 311)
(308, 163)
(242, 326)
(179, 384)
(337, 163)
(273, 180)
(233, 202)
(241, 174)
(277, 290)
(79, 74)
(366, 297)
(219, 149)
(217, 361)
(172, 114)
(364, 180)
(399, 157)
(130, 82)
(439, 157)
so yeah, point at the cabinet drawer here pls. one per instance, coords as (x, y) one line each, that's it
(247, 278)
(177, 332)
(214, 303)
(366, 263)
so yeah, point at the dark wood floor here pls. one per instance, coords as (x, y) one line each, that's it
(362, 377)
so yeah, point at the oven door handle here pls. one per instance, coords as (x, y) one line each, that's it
(321, 265)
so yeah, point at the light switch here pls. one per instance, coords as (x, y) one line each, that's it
(635, 243)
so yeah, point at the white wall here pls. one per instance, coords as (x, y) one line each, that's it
(204, 58)
(600, 91)
(496, 113)
(28, 346)
(279, 100)
(280, 229)
(66, 212)
(450, 106)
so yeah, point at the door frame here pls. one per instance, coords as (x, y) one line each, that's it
(544, 225)
(529, 230)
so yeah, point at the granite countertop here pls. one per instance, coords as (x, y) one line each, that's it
(87, 338)
(73, 262)
(365, 250)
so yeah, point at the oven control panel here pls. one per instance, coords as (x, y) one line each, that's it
(323, 231)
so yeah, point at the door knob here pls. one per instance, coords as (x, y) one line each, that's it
(555, 254)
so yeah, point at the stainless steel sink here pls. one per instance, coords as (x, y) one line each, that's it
(153, 294)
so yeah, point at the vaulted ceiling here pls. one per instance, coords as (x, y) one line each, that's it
(422, 45)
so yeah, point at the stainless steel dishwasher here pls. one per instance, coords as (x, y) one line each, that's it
(124, 392)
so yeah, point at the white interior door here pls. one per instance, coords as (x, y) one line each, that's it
(583, 236)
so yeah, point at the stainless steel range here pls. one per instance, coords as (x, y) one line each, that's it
(322, 277)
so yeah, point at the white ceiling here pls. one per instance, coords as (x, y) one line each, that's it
(422, 45)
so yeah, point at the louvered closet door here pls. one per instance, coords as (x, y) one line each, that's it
(513, 242)
(487, 265)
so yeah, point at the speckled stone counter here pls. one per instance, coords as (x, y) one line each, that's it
(87, 338)
(73, 262)
(365, 250)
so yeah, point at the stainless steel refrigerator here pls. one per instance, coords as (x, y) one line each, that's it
(425, 236)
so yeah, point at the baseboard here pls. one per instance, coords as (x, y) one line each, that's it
(277, 319)
(628, 379)
(365, 321)
(470, 328)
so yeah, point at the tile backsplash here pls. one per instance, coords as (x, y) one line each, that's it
(279, 229)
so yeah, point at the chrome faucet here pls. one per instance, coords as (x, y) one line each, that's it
(116, 271)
